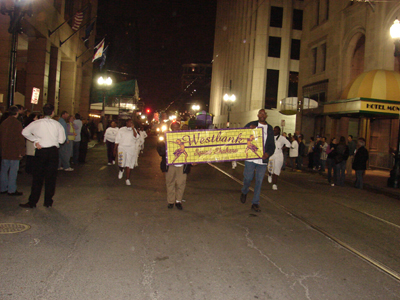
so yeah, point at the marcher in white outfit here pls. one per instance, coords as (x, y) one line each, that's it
(109, 139)
(294, 151)
(143, 135)
(126, 146)
(276, 160)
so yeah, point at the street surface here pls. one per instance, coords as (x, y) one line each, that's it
(105, 240)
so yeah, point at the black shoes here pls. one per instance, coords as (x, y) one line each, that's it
(16, 193)
(28, 205)
(243, 198)
(170, 206)
(48, 204)
(256, 207)
(178, 205)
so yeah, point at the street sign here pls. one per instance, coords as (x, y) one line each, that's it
(283, 123)
(35, 96)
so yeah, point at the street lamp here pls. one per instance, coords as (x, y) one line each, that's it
(16, 13)
(229, 100)
(105, 84)
(195, 108)
(395, 34)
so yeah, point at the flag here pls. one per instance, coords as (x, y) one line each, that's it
(77, 20)
(99, 52)
(88, 31)
(103, 58)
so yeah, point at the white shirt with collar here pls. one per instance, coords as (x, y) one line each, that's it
(47, 132)
(110, 134)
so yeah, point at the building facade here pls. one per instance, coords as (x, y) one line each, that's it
(54, 61)
(256, 58)
(348, 68)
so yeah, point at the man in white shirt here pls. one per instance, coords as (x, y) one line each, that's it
(46, 135)
(126, 146)
(259, 166)
(109, 139)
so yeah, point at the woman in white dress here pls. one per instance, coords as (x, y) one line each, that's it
(276, 160)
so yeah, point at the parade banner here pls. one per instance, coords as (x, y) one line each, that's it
(215, 145)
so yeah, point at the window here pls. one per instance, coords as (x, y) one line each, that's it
(323, 54)
(271, 90)
(276, 16)
(274, 47)
(314, 60)
(295, 49)
(293, 84)
(316, 12)
(297, 19)
(69, 9)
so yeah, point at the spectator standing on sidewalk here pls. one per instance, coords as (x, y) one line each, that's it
(77, 141)
(330, 161)
(71, 130)
(302, 150)
(64, 150)
(317, 154)
(12, 145)
(100, 130)
(352, 149)
(310, 153)
(324, 155)
(47, 135)
(258, 166)
(126, 147)
(85, 138)
(294, 151)
(30, 148)
(360, 163)
(342, 153)
(175, 175)
(109, 139)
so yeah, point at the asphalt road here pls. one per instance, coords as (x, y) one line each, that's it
(105, 240)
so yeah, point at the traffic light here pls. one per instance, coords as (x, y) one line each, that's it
(148, 110)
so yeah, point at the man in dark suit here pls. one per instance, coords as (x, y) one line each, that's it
(259, 166)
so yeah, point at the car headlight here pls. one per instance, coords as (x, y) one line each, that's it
(158, 129)
(164, 128)
(161, 138)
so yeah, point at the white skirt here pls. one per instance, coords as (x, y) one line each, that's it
(127, 157)
(275, 164)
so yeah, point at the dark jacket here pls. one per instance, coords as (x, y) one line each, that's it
(85, 134)
(360, 159)
(342, 153)
(269, 146)
(12, 142)
(163, 165)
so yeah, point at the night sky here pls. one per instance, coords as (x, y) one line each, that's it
(152, 39)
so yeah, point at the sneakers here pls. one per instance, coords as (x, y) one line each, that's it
(69, 169)
(178, 205)
(60, 169)
(256, 207)
(270, 178)
(332, 184)
(170, 206)
(243, 198)
(120, 174)
(113, 162)
(234, 164)
(128, 182)
(109, 164)
(274, 187)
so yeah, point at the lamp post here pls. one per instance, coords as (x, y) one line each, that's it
(195, 108)
(395, 34)
(16, 13)
(229, 100)
(105, 84)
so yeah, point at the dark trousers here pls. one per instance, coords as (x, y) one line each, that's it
(44, 169)
(340, 173)
(110, 151)
(310, 160)
(359, 179)
(82, 151)
(75, 155)
(330, 163)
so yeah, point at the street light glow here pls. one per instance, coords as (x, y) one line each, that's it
(231, 98)
(102, 81)
(395, 29)
(195, 107)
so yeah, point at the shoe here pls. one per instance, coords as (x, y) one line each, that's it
(113, 162)
(120, 174)
(269, 178)
(128, 182)
(28, 205)
(178, 205)
(332, 184)
(60, 169)
(274, 187)
(69, 169)
(109, 164)
(5, 192)
(256, 207)
(170, 206)
(16, 193)
(243, 198)
(47, 205)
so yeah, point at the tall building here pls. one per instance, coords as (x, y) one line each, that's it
(256, 58)
(348, 69)
(55, 61)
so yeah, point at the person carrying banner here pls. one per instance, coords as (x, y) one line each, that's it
(175, 175)
(258, 165)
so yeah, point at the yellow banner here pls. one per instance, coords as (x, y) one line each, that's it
(216, 145)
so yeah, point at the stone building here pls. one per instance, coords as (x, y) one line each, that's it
(256, 58)
(347, 66)
(60, 68)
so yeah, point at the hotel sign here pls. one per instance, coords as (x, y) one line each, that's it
(387, 108)
(203, 146)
